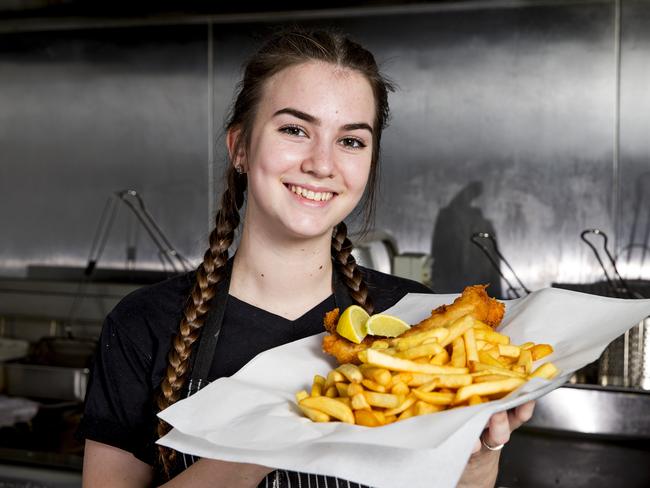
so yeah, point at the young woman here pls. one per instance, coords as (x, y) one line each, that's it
(303, 141)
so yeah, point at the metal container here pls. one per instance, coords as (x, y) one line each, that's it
(375, 250)
(12, 348)
(626, 361)
(51, 382)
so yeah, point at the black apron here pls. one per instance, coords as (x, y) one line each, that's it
(202, 363)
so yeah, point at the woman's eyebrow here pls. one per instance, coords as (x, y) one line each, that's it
(316, 121)
(358, 125)
(299, 114)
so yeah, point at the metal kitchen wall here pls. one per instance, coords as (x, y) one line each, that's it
(633, 219)
(84, 113)
(527, 119)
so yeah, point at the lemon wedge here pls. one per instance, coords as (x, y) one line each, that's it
(386, 325)
(352, 324)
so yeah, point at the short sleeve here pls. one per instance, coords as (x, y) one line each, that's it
(119, 407)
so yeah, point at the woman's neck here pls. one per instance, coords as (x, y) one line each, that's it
(286, 278)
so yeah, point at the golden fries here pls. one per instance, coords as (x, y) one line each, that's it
(330, 406)
(317, 385)
(438, 333)
(465, 363)
(351, 372)
(487, 388)
(378, 358)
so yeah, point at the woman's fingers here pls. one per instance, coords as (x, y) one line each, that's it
(503, 423)
(498, 431)
(520, 414)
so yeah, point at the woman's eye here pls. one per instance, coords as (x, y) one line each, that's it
(353, 143)
(293, 130)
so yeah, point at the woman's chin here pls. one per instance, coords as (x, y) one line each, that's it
(310, 230)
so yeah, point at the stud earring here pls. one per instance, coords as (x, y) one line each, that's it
(239, 168)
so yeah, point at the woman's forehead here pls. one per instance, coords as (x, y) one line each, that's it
(325, 89)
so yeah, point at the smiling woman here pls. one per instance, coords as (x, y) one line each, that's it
(303, 141)
(309, 154)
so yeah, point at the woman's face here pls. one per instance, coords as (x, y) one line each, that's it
(310, 150)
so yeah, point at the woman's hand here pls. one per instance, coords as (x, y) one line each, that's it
(501, 424)
(482, 469)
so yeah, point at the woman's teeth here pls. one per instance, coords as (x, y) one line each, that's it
(312, 195)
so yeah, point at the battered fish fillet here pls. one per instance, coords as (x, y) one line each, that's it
(473, 301)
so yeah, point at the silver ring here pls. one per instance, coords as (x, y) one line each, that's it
(489, 447)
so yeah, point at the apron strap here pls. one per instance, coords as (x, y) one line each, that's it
(341, 292)
(210, 333)
(207, 344)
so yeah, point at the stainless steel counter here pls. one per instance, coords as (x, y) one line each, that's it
(539, 459)
(581, 436)
(594, 410)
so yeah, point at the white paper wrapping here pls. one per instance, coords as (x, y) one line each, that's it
(251, 416)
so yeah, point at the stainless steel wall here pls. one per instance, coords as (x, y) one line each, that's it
(523, 118)
(633, 223)
(84, 113)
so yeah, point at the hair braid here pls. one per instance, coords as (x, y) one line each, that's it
(208, 274)
(346, 264)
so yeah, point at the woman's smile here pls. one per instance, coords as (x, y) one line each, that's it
(310, 195)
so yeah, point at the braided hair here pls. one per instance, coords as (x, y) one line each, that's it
(280, 52)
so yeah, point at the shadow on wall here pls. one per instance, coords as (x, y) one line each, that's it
(637, 252)
(456, 261)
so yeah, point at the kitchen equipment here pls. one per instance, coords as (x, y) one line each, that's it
(626, 361)
(167, 254)
(618, 285)
(45, 382)
(479, 239)
(414, 266)
(70, 352)
(12, 348)
(375, 250)
(55, 368)
(133, 200)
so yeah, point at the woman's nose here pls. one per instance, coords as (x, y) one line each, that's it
(319, 161)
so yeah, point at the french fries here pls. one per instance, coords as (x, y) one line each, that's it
(462, 364)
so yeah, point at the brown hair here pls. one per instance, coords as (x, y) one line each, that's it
(282, 51)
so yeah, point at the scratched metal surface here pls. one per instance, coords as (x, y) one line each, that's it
(633, 225)
(88, 112)
(505, 124)
(505, 120)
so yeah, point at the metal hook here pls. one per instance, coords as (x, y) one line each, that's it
(166, 252)
(476, 239)
(165, 248)
(620, 288)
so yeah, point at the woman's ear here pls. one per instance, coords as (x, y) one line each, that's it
(235, 148)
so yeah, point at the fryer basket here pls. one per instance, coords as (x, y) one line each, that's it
(626, 360)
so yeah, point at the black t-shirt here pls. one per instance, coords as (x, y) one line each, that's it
(136, 337)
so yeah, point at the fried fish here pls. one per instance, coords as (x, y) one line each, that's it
(473, 301)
